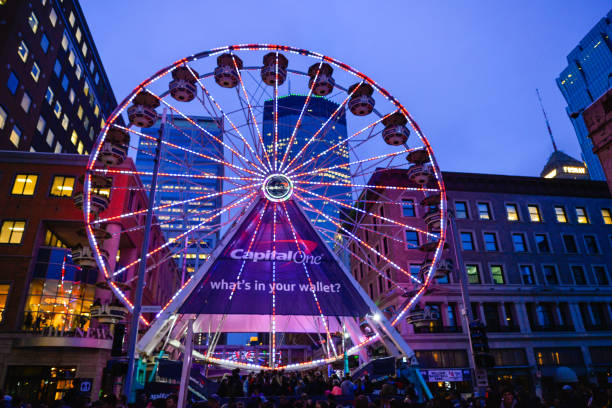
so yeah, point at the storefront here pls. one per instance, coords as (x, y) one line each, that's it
(445, 370)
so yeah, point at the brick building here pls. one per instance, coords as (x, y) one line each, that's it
(598, 120)
(46, 330)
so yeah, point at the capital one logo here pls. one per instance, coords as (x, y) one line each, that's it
(299, 257)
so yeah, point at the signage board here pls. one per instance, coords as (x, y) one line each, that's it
(443, 375)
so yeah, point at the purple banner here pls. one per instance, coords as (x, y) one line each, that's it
(275, 249)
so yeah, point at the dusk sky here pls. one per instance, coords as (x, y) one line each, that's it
(466, 70)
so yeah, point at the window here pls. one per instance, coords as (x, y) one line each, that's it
(3, 117)
(527, 274)
(497, 274)
(412, 239)
(65, 41)
(578, 274)
(81, 147)
(24, 184)
(490, 241)
(26, 101)
(65, 82)
(484, 212)
(57, 109)
(33, 21)
(591, 244)
(44, 43)
(473, 274)
(58, 148)
(84, 49)
(542, 244)
(57, 68)
(606, 215)
(11, 232)
(570, 244)
(53, 17)
(62, 186)
(71, 57)
(518, 240)
(12, 83)
(91, 66)
(65, 122)
(461, 210)
(71, 19)
(40, 126)
(53, 241)
(50, 137)
(74, 137)
(86, 88)
(467, 241)
(35, 72)
(4, 292)
(49, 95)
(601, 275)
(97, 112)
(581, 215)
(22, 51)
(71, 96)
(512, 212)
(15, 136)
(407, 206)
(560, 214)
(550, 274)
(80, 112)
(97, 79)
(534, 213)
(78, 70)
(77, 34)
(415, 269)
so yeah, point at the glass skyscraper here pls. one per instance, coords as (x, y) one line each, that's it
(319, 109)
(176, 219)
(587, 77)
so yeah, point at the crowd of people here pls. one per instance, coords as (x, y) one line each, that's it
(316, 390)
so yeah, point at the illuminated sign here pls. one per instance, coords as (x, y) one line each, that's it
(574, 170)
(552, 174)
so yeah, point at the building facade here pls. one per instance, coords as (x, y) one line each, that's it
(191, 251)
(598, 120)
(49, 339)
(318, 111)
(54, 92)
(538, 255)
(587, 77)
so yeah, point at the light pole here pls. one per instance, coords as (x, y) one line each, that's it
(142, 267)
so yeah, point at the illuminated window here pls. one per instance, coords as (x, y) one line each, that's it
(50, 137)
(62, 186)
(24, 184)
(11, 232)
(15, 136)
(53, 241)
(26, 101)
(550, 274)
(467, 241)
(71, 96)
(74, 138)
(58, 148)
(53, 17)
(77, 34)
(12, 83)
(4, 291)
(40, 125)
(78, 70)
(412, 239)
(497, 274)
(57, 109)
(512, 212)
(44, 43)
(49, 95)
(408, 208)
(33, 21)
(80, 112)
(484, 212)
(551, 174)
(86, 88)
(473, 274)
(84, 49)
(80, 147)
(65, 122)
(605, 213)
(22, 51)
(518, 240)
(461, 210)
(71, 19)
(35, 72)
(534, 213)
(527, 274)
(3, 117)
(71, 58)
(64, 41)
(490, 241)
(560, 214)
(581, 215)
(97, 110)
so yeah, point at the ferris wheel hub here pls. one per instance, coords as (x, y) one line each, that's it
(277, 187)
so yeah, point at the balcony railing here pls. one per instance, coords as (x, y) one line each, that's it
(552, 328)
(498, 328)
(438, 329)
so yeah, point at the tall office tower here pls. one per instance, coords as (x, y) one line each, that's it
(319, 109)
(587, 76)
(178, 218)
(54, 93)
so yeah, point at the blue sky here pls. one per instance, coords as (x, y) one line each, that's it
(466, 70)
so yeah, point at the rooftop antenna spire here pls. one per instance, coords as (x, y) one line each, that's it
(546, 119)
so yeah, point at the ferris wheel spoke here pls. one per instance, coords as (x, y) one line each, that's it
(246, 96)
(226, 117)
(178, 237)
(363, 243)
(210, 135)
(310, 284)
(384, 187)
(177, 175)
(175, 203)
(260, 86)
(339, 109)
(273, 328)
(299, 121)
(276, 116)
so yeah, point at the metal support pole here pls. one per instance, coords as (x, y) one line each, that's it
(186, 370)
(466, 312)
(127, 389)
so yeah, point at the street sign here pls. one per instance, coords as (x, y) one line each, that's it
(150, 309)
(85, 386)
(481, 377)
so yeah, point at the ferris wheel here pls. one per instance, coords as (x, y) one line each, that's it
(294, 176)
